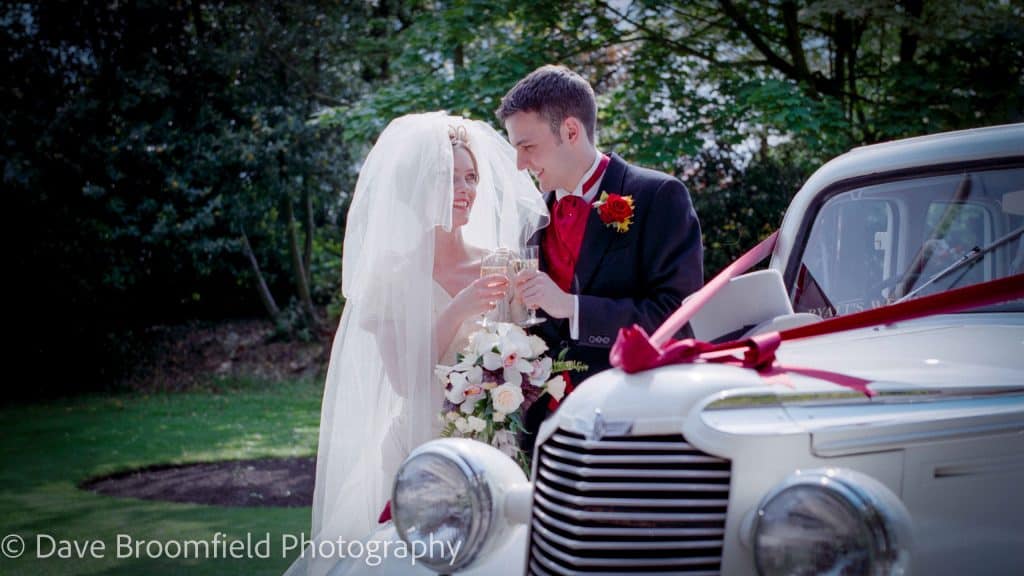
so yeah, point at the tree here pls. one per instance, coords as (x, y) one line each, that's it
(680, 83)
(160, 158)
(195, 159)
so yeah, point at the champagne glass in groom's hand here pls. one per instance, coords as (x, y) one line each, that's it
(529, 260)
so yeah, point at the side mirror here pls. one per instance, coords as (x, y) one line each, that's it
(745, 302)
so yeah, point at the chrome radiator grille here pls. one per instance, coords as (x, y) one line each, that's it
(627, 504)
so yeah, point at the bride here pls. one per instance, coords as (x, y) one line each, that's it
(435, 194)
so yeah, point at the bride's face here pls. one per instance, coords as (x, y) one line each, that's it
(465, 178)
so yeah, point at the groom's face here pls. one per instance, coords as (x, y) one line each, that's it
(540, 151)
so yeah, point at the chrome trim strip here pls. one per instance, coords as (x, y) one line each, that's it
(628, 516)
(641, 532)
(623, 544)
(537, 554)
(629, 473)
(631, 502)
(642, 459)
(879, 436)
(585, 486)
(625, 563)
(536, 569)
(621, 445)
(776, 398)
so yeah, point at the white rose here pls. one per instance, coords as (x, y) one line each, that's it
(556, 387)
(507, 398)
(498, 416)
(451, 416)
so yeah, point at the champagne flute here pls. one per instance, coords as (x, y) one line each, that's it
(495, 262)
(529, 259)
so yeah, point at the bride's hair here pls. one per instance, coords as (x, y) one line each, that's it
(460, 139)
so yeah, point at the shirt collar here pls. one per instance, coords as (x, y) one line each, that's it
(587, 195)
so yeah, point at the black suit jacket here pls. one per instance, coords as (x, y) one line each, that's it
(623, 278)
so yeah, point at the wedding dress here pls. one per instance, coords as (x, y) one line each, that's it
(396, 449)
(461, 339)
(381, 398)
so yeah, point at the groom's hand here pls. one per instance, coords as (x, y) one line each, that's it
(538, 290)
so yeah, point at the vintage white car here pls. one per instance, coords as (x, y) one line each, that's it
(708, 468)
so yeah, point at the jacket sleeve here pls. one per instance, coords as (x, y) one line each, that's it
(672, 267)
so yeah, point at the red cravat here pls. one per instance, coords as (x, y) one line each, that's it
(562, 248)
(565, 235)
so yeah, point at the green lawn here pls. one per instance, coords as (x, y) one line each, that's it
(47, 449)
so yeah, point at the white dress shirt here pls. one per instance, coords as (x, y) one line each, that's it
(588, 195)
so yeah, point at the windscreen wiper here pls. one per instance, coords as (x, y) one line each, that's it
(973, 255)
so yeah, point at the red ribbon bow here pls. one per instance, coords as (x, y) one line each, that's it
(635, 351)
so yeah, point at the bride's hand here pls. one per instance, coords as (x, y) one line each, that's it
(481, 295)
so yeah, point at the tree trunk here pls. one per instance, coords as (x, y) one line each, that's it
(299, 271)
(908, 37)
(309, 225)
(261, 284)
(842, 38)
(794, 44)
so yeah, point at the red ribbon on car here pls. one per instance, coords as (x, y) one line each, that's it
(635, 351)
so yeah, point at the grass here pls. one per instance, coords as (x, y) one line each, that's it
(48, 449)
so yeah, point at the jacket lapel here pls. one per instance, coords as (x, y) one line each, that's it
(538, 236)
(597, 236)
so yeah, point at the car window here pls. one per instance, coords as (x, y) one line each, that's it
(873, 245)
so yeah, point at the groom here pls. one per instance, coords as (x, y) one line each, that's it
(624, 244)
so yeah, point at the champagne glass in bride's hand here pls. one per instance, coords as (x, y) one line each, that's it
(529, 259)
(495, 262)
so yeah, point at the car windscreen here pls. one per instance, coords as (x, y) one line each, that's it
(878, 244)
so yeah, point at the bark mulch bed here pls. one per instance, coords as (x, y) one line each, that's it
(281, 482)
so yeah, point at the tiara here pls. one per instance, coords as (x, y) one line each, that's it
(458, 135)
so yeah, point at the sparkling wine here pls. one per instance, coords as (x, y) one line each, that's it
(488, 270)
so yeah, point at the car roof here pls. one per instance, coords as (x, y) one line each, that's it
(936, 149)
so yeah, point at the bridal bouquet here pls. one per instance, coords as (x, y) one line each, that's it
(500, 373)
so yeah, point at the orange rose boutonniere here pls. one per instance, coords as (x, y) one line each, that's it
(615, 211)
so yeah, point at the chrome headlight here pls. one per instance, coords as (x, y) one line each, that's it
(449, 500)
(831, 521)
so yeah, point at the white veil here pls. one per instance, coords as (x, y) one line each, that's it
(381, 398)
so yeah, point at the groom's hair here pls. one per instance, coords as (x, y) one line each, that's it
(555, 93)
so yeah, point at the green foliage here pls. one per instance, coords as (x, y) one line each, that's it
(143, 139)
(740, 202)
